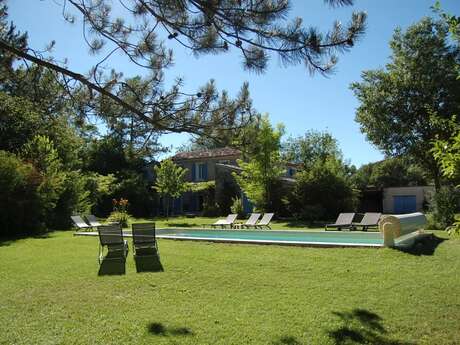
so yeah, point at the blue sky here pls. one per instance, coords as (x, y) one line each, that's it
(290, 95)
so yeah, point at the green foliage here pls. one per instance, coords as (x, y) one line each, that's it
(201, 186)
(322, 192)
(135, 187)
(322, 186)
(443, 206)
(451, 20)
(170, 181)
(391, 172)
(310, 148)
(21, 119)
(120, 212)
(454, 229)
(208, 190)
(41, 153)
(447, 151)
(74, 199)
(262, 165)
(21, 209)
(237, 207)
(226, 189)
(396, 104)
(255, 29)
(45, 195)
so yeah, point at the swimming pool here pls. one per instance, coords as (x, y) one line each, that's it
(284, 237)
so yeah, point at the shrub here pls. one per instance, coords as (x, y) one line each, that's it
(237, 207)
(21, 209)
(454, 230)
(443, 206)
(322, 192)
(75, 198)
(120, 212)
(226, 190)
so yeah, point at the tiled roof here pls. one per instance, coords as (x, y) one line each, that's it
(214, 153)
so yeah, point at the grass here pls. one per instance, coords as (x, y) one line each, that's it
(229, 294)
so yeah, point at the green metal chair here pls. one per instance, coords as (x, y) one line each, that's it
(144, 239)
(111, 237)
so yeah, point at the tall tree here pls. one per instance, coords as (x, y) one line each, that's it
(262, 165)
(140, 29)
(170, 181)
(391, 172)
(311, 147)
(447, 150)
(397, 104)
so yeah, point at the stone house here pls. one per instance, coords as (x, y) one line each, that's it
(214, 165)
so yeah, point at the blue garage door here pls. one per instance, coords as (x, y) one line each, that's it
(404, 204)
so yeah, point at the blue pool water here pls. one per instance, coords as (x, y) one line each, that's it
(331, 238)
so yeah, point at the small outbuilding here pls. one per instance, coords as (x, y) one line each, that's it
(399, 200)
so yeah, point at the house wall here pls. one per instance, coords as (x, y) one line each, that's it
(421, 194)
(211, 167)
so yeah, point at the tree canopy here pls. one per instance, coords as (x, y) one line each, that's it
(391, 172)
(170, 181)
(310, 148)
(397, 104)
(142, 31)
(262, 165)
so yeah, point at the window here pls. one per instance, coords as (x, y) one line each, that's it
(200, 172)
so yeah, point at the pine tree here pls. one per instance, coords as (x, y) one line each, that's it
(142, 30)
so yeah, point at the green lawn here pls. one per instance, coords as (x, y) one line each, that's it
(51, 293)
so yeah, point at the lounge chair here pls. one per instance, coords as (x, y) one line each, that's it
(144, 239)
(344, 221)
(92, 220)
(230, 220)
(80, 223)
(370, 219)
(111, 236)
(265, 221)
(251, 222)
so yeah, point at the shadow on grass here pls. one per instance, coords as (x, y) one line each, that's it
(158, 329)
(361, 326)
(148, 260)
(6, 241)
(112, 265)
(286, 340)
(424, 246)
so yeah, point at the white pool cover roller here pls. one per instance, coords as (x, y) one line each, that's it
(394, 226)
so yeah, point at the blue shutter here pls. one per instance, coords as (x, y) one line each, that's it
(193, 172)
(404, 204)
(205, 171)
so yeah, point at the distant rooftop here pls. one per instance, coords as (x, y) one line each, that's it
(214, 153)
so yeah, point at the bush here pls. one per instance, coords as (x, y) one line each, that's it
(134, 187)
(74, 199)
(226, 190)
(21, 209)
(120, 212)
(237, 208)
(443, 207)
(210, 208)
(322, 192)
(454, 230)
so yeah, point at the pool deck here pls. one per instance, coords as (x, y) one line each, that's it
(164, 233)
